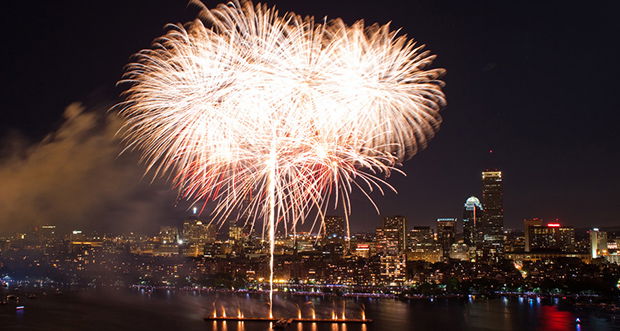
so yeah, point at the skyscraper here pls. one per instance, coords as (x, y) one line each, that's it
(446, 232)
(392, 236)
(335, 228)
(491, 226)
(472, 214)
(527, 223)
(598, 242)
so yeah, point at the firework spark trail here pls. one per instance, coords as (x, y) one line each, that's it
(273, 116)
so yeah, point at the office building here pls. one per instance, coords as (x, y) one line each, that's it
(552, 237)
(335, 228)
(598, 243)
(197, 232)
(393, 269)
(527, 223)
(446, 234)
(168, 234)
(391, 237)
(491, 226)
(420, 236)
(472, 213)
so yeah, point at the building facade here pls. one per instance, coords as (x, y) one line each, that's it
(391, 237)
(598, 243)
(551, 237)
(491, 226)
(527, 223)
(472, 214)
(335, 228)
(446, 234)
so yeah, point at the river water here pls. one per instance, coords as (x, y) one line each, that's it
(166, 310)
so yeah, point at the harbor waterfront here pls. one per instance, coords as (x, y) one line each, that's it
(143, 310)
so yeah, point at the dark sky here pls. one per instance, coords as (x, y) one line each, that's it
(533, 81)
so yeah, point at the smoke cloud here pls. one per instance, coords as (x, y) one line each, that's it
(75, 178)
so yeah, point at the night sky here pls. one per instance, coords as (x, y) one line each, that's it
(535, 82)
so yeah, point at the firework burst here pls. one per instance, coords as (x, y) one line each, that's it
(272, 116)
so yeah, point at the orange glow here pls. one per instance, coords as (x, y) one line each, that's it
(553, 225)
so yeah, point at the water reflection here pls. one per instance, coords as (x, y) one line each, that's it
(179, 311)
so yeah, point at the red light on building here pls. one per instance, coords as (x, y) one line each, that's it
(553, 225)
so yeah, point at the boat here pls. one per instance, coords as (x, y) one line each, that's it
(282, 324)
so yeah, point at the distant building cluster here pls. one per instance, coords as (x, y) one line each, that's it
(474, 247)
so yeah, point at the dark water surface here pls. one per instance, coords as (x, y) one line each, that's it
(106, 310)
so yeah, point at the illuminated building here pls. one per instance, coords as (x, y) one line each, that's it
(236, 233)
(195, 231)
(446, 234)
(46, 232)
(613, 258)
(459, 252)
(491, 225)
(169, 249)
(77, 235)
(612, 244)
(472, 213)
(422, 246)
(420, 236)
(335, 228)
(362, 249)
(168, 234)
(392, 236)
(527, 223)
(547, 256)
(598, 243)
(393, 269)
(428, 254)
(513, 241)
(45, 236)
(552, 236)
